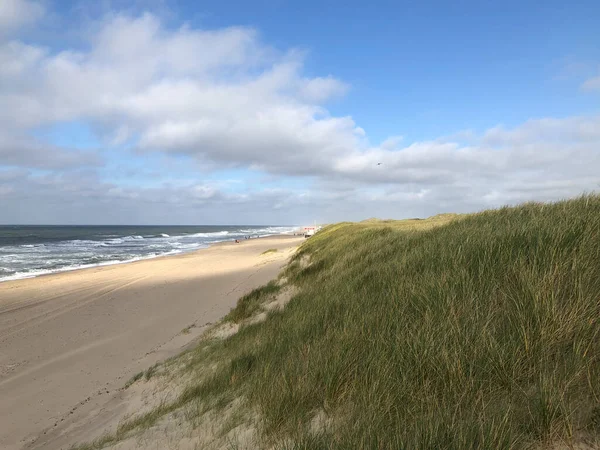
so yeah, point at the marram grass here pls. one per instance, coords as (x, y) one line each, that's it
(455, 332)
(481, 333)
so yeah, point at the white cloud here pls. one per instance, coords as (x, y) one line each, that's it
(17, 13)
(16, 59)
(391, 143)
(563, 151)
(224, 98)
(219, 94)
(23, 151)
(322, 89)
(546, 131)
(591, 84)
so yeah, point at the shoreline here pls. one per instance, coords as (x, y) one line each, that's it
(136, 260)
(69, 341)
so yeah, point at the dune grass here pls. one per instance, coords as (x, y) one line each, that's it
(482, 333)
(133, 379)
(455, 332)
(250, 303)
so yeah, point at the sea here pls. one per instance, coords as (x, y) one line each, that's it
(33, 250)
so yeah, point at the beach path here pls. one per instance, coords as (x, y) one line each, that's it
(70, 341)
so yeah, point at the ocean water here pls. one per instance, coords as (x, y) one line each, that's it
(29, 251)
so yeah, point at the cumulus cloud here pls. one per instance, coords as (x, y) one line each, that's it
(220, 95)
(18, 13)
(322, 89)
(226, 99)
(542, 159)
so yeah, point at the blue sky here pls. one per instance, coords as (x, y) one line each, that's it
(414, 63)
(425, 69)
(279, 111)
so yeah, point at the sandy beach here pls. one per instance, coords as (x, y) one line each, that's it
(70, 341)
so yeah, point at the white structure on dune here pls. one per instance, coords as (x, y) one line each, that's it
(311, 230)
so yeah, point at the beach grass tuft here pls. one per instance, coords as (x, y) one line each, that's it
(133, 379)
(187, 330)
(250, 303)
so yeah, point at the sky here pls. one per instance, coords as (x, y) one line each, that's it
(287, 112)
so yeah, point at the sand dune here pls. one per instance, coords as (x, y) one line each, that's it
(69, 342)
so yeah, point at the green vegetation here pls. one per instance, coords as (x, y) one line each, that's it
(187, 329)
(151, 371)
(454, 332)
(250, 303)
(133, 379)
(271, 250)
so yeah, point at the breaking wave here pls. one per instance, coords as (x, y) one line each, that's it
(49, 254)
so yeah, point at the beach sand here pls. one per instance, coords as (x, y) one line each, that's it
(70, 341)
